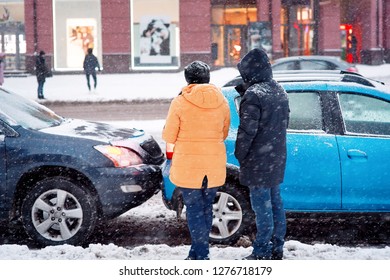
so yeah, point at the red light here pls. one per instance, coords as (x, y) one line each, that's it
(169, 155)
(169, 150)
(352, 69)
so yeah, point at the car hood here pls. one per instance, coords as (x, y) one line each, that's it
(98, 131)
(136, 139)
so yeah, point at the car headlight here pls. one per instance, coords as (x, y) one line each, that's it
(120, 156)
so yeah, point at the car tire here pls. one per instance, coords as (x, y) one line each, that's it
(232, 214)
(59, 211)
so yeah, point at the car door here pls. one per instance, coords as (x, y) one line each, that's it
(312, 176)
(365, 152)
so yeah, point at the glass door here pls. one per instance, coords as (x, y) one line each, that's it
(230, 31)
(13, 44)
(235, 45)
(12, 35)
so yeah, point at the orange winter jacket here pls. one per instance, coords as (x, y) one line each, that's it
(197, 124)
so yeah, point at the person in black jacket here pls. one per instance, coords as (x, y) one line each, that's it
(261, 151)
(41, 71)
(90, 64)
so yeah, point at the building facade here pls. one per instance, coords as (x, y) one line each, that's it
(165, 35)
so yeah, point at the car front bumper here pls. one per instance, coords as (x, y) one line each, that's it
(121, 189)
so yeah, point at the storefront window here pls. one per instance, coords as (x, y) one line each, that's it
(234, 32)
(77, 27)
(12, 37)
(305, 33)
(155, 34)
(298, 29)
(284, 30)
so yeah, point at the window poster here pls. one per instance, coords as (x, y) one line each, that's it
(155, 34)
(76, 27)
(81, 35)
(154, 40)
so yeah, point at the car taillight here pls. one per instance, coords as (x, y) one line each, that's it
(352, 69)
(121, 157)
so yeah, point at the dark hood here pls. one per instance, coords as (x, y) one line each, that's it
(255, 67)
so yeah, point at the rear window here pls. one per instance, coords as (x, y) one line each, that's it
(316, 65)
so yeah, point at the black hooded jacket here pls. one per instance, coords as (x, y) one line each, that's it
(90, 64)
(41, 70)
(264, 115)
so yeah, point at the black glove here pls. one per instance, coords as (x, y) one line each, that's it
(241, 88)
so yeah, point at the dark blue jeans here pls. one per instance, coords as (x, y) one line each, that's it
(267, 204)
(199, 208)
(40, 88)
(94, 80)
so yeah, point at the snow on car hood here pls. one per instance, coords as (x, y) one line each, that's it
(95, 131)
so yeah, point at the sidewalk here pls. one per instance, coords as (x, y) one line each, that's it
(136, 86)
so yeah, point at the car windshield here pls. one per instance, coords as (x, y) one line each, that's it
(17, 110)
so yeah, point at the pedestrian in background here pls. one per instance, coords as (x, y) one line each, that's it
(2, 67)
(354, 44)
(41, 71)
(90, 64)
(197, 124)
(261, 151)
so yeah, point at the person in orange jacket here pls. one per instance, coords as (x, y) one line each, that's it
(197, 124)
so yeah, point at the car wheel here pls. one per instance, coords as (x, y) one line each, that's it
(232, 215)
(58, 211)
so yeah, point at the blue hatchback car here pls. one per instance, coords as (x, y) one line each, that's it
(338, 152)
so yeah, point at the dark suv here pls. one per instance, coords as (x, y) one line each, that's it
(60, 177)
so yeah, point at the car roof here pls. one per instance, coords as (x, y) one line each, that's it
(324, 75)
(330, 80)
(336, 86)
(309, 57)
(231, 93)
(318, 75)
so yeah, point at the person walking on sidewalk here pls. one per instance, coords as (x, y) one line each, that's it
(197, 124)
(261, 151)
(90, 64)
(41, 71)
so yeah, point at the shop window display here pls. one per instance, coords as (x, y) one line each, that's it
(77, 27)
(155, 34)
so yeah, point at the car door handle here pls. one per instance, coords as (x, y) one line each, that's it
(354, 153)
